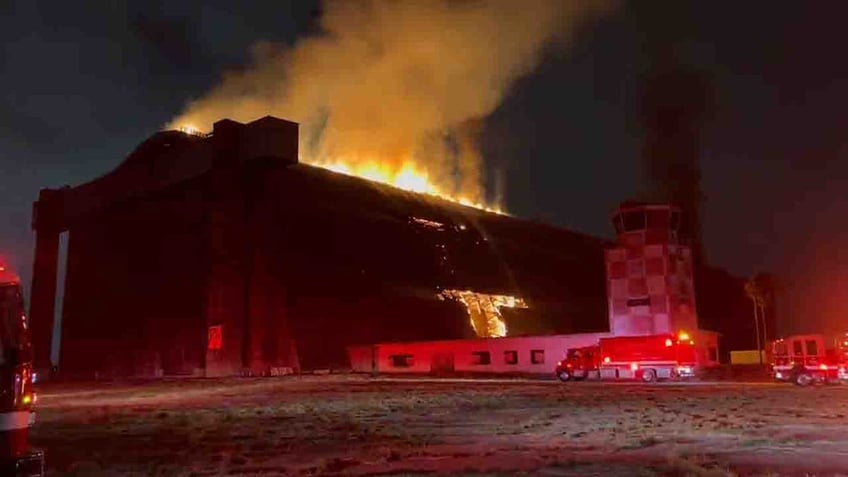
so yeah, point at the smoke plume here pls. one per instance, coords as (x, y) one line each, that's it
(398, 83)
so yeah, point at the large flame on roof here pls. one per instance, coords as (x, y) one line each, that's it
(398, 91)
(407, 177)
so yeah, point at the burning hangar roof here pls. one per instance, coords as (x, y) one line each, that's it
(382, 201)
(171, 157)
(483, 251)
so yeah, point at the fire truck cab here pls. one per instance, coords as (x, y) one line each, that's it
(16, 393)
(810, 359)
(645, 358)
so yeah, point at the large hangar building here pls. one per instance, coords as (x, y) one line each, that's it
(221, 254)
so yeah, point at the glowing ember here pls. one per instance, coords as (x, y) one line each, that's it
(484, 310)
(429, 223)
(192, 131)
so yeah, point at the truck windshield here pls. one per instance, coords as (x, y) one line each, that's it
(14, 342)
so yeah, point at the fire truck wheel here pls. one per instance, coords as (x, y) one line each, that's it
(649, 375)
(564, 376)
(803, 379)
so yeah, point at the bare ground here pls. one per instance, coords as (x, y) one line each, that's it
(350, 425)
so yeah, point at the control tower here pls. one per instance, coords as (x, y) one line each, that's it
(649, 272)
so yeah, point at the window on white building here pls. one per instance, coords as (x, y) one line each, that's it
(537, 356)
(481, 357)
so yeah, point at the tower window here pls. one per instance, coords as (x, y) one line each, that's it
(658, 219)
(639, 301)
(634, 221)
(616, 222)
(674, 222)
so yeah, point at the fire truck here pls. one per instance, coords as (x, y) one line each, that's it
(645, 358)
(16, 392)
(810, 359)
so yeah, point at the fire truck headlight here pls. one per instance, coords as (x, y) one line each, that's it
(778, 375)
(823, 367)
(634, 366)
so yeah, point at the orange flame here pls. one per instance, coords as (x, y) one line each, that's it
(407, 177)
(484, 311)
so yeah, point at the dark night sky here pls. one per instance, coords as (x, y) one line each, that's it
(82, 84)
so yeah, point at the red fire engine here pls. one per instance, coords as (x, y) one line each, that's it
(809, 359)
(645, 358)
(16, 394)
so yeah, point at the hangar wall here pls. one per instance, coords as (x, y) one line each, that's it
(132, 294)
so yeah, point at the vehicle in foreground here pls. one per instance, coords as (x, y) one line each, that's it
(645, 358)
(810, 359)
(17, 397)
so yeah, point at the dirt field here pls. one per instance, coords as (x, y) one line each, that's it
(348, 425)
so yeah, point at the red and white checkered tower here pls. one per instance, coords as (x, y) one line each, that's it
(649, 272)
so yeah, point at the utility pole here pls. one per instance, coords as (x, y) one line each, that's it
(765, 329)
(757, 324)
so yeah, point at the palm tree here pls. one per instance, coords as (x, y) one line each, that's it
(766, 285)
(760, 289)
(753, 291)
